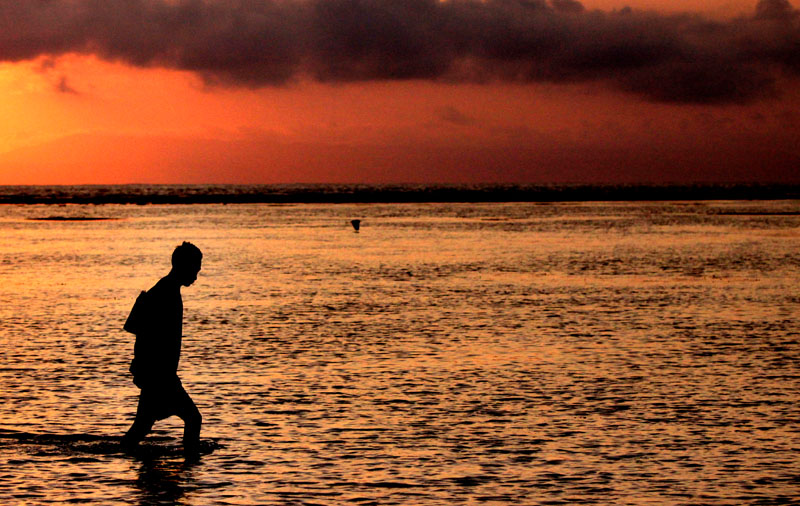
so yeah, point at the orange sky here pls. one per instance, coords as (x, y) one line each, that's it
(73, 118)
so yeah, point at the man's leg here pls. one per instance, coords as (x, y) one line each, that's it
(141, 425)
(188, 412)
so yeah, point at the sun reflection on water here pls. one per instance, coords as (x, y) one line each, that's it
(456, 353)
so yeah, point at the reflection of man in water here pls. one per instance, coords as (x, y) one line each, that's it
(156, 319)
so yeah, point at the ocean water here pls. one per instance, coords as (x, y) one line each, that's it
(521, 353)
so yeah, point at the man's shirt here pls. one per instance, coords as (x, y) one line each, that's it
(157, 350)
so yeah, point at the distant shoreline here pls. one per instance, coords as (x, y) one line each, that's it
(357, 194)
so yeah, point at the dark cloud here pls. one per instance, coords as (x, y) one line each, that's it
(567, 5)
(456, 117)
(674, 58)
(63, 86)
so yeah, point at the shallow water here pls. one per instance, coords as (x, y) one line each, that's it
(603, 353)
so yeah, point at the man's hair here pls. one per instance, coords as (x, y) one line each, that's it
(186, 254)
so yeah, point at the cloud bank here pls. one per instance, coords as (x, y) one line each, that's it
(670, 58)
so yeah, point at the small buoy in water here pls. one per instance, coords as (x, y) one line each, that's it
(356, 224)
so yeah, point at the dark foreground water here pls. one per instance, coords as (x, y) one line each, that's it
(603, 353)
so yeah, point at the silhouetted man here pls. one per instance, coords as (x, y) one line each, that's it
(156, 319)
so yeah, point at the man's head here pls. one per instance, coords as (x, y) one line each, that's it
(186, 261)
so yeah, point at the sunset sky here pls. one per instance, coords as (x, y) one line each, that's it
(389, 91)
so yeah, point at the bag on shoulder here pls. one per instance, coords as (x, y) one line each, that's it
(137, 323)
(138, 319)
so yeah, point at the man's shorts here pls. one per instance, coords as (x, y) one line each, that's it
(159, 401)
